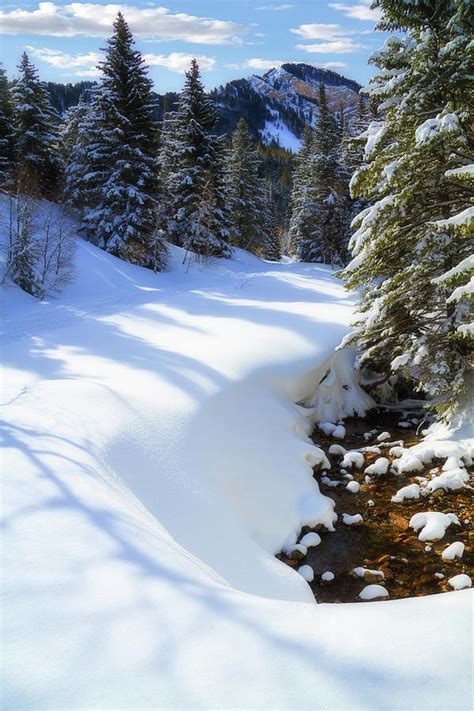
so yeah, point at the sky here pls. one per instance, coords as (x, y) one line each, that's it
(230, 38)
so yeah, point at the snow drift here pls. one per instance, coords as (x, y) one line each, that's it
(155, 461)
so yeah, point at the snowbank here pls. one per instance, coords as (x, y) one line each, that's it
(155, 461)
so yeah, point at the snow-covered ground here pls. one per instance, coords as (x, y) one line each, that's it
(154, 461)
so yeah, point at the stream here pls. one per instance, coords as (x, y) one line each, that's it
(383, 543)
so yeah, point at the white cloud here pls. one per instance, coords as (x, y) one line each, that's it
(331, 65)
(91, 19)
(320, 31)
(256, 63)
(359, 10)
(179, 62)
(340, 46)
(274, 8)
(85, 65)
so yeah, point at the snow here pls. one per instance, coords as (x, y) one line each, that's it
(461, 581)
(327, 577)
(433, 524)
(454, 550)
(154, 469)
(380, 466)
(310, 539)
(466, 217)
(307, 573)
(373, 592)
(280, 132)
(432, 127)
(352, 520)
(412, 491)
(337, 450)
(351, 459)
(383, 436)
(408, 462)
(450, 480)
(353, 487)
(332, 430)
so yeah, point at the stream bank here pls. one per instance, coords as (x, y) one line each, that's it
(382, 548)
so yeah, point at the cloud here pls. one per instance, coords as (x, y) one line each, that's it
(320, 31)
(339, 46)
(91, 19)
(259, 63)
(331, 65)
(83, 64)
(359, 10)
(274, 8)
(179, 62)
(256, 63)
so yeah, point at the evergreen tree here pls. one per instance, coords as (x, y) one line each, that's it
(38, 167)
(193, 187)
(7, 144)
(319, 206)
(115, 160)
(252, 220)
(411, 251)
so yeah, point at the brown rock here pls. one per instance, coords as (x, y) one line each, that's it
(373, 576)
(399, 521)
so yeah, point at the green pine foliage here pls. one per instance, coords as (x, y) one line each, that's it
(411, 250)
(193, 183)
(247, 197)
(319, 199)
(7, 142)
(115, 165)
(37, 163)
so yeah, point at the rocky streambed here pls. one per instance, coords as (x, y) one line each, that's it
(374, 552)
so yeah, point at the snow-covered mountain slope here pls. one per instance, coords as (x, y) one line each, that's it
(154, 460)
(279, 104)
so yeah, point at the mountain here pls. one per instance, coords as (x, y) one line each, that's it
(277, 106)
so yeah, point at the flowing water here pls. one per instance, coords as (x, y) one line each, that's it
(384, 541)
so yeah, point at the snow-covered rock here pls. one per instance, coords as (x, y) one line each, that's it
(327, 576)
(450, 480)
(352, 520)
(460, 582)
(383, 436)
(353, 459)
(454, 550)
(412, 491)
(408, 463)
(433, 524)
(373, 592)
(310, 539)
(353, 487)
(306, 572)
(380, 466)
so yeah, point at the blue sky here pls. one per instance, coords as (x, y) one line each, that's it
(230, 38)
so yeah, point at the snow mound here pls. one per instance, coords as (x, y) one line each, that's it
(380, 466)
(433, 524)
(460, 582)
(412, 491)
(373, 592)
(455, 550)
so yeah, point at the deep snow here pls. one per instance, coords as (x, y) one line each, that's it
(154, 463)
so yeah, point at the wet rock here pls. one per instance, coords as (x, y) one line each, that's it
(399, 521)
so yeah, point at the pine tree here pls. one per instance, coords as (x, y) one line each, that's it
(412, 247)
(7, 143)
(38, 167)
(252, 220)
(319, 205)
(193, 187)
(116, 157)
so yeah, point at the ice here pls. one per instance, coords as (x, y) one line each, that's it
(307, 573)
(455, 550)
(461, 581)
(373, 592)
(412, 491)
(380, 466)
(352, 520)
(353, 487)
(433, 524)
